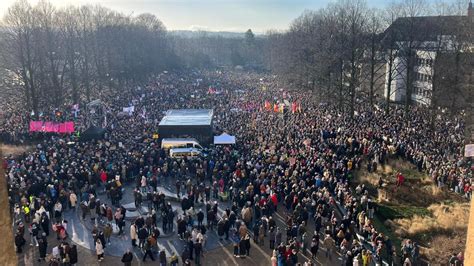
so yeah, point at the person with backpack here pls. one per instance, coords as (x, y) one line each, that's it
(174, 259)
(147, 249)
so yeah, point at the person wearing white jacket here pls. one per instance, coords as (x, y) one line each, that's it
(133, 234)
(99, 249)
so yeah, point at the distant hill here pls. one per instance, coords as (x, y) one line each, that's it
(194, 34)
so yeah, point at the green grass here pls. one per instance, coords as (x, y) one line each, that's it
(401, 211)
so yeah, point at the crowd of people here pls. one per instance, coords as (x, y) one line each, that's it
(297, 163)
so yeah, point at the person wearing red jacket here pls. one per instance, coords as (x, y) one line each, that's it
(103, 176)
(400, 179)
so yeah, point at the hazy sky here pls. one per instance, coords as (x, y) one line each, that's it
(216, 15)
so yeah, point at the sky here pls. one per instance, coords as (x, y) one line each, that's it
(213, 15)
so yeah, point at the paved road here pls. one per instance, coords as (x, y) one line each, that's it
(217, 252)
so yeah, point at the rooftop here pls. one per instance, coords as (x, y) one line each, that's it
(187, 117)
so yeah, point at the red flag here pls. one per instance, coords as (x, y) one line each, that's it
(268, 106)
(293, 107)
(275, 108)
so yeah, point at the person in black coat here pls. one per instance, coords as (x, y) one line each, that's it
(247, 244)
(162, 258)
(45, 223)
(42, 246)
(142, 236)
(181, 227)
(127, 258)
(200, 217)
(314, 246)
(185, 204)
(198, 252)
(19, 242)
(185, 254)
(102, 239)
(220, 228)
(191, 248)
(242, 248)
(73, 255)
(170, 219)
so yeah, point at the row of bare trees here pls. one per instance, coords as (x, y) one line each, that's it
(349, 53)
(64, 56)
(205, 50)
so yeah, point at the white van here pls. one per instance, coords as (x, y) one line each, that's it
(185, 152)
(180, 143)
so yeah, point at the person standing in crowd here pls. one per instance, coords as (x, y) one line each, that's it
(174, 259)
(73, 259)
(19, 242)
(330, 246)
(42, 246)
(162, 257)
(119, 220)
(314, 246)
(108, 232)
(127, 258)
(133, 234)
(99, 249)
(198, 252)
(73, 200)
(34, 230)
(147, 251)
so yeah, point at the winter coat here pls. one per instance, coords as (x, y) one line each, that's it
(142, 233)
(243, 231)
(107, 231)
(246, 215)
(133, 232)
(73, 254)
(99, 249)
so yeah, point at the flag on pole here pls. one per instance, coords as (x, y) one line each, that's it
(268, 106)
(211, 90)
(293, 107)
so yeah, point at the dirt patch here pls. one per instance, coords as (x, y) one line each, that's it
(436, 218)
(14, 149)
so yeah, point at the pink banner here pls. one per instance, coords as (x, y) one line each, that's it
(40, 126)
(67, 127)
(35, 126)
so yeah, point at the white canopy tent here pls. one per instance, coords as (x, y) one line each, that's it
(224, 139)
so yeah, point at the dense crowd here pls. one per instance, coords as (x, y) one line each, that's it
(300, 163)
